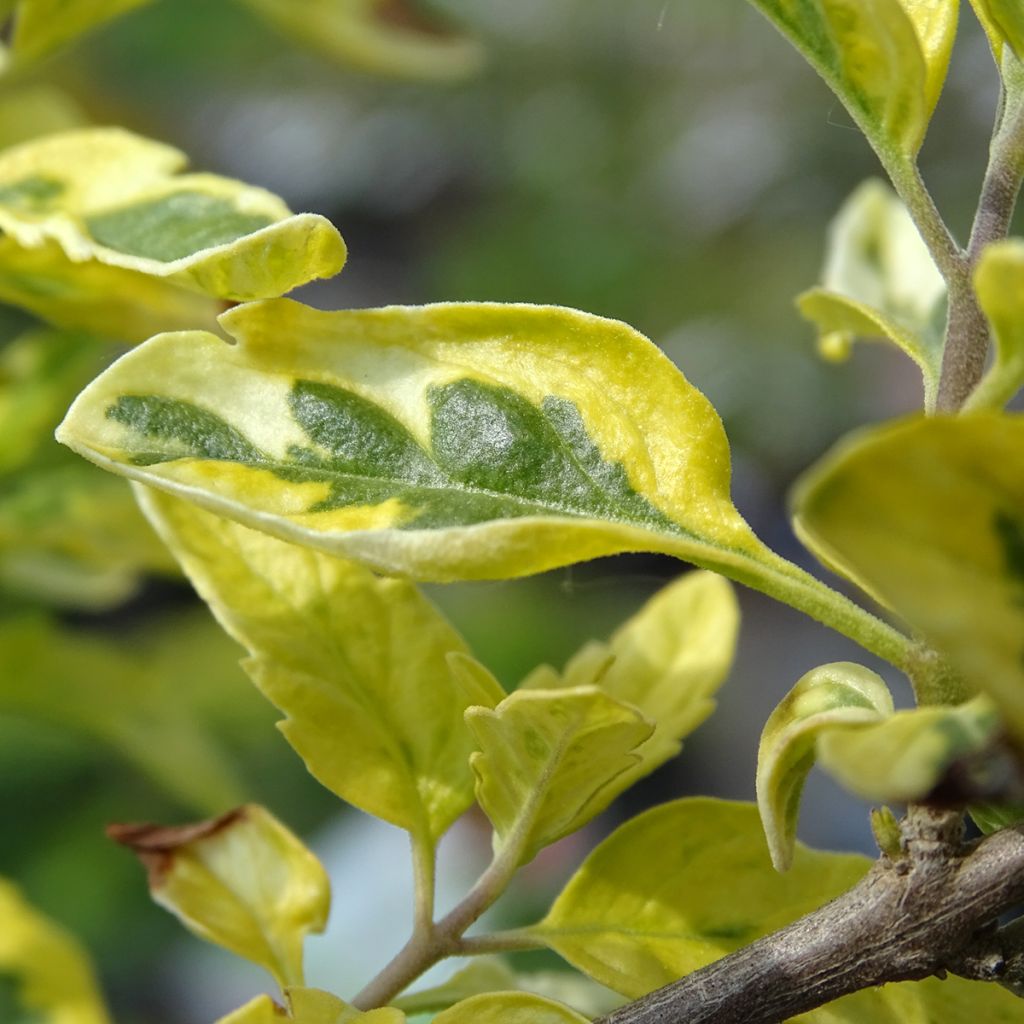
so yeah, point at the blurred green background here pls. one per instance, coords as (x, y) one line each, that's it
(671, 164)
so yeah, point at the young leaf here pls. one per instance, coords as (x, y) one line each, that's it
(679, 886)
(480, 976)
(841, 693)
(886, 60)
(132, 704)
(1003, 21)
(999, 284)
(51, 976)
(928, 512)
(312, 1006)
(549, 760)
(395, 38)
(309, 1006)
(667, 661)
(99, 215)
(377, 722)
(43, 26)
(509, 1008)
(879, 281)
(242, 881)
(440, 442)
(907, 756)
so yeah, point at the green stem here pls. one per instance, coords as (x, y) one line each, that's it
(514, 940)
(424, 857)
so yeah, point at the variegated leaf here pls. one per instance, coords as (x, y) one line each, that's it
(928, 513)
(886, 60)
(999, 284)
(377, 722)
(242, 881)
(103, 231)
(907, 756)
(397, 37)
(831, 695)
(51, 979)
(440, 442)
(879, 281)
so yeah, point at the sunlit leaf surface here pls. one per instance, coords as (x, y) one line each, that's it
(44, 975)
(103, 231)
(928, 513)
(242, 881)
(679, 886)
(357, 664)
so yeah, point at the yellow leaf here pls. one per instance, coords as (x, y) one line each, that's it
(395, 37)
(509, 1008)
(679, 886)
(999, 284)
(308, 1006)
(455, 441)
(841, 693)
(43, 26)
(378, 723)
(549, 760)
(667, 661)
(242, 881)
(879, 281)
(51, 976)
(1003, 21)
(928, 513)
(903, 758)
(886, 60)
(102, 231)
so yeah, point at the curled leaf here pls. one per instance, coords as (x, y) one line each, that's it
(242, 881)
(103, 231)
(839, 694)
(928, 513)
(911, 755)
(879, 281)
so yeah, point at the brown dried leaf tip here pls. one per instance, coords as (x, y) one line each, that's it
(156, 845)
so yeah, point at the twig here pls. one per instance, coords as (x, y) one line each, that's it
(908, 919)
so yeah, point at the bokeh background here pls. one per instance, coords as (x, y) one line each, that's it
(670, 163)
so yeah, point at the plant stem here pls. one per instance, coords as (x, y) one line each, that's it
(433, 942)
(512, 941)
(906, 920)
(424, 857)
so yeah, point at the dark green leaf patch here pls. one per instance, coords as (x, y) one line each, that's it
(174, 226)
(494, 455)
